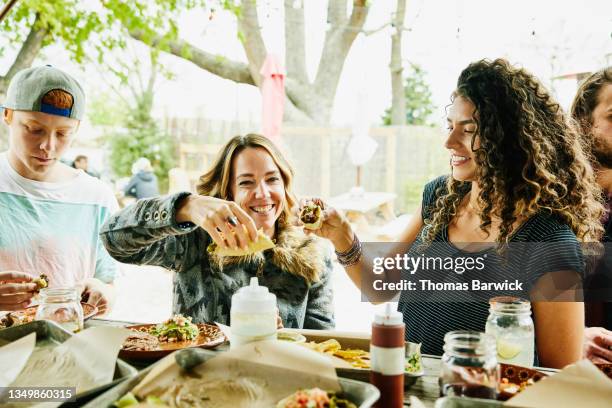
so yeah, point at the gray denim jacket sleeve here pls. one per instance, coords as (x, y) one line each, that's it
(146, 233)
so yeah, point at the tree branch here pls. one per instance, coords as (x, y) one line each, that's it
(254, 47)
(295, 42)
(398, 97)
(26, 55)
(338, 42)
(374, 31)
(215, 64)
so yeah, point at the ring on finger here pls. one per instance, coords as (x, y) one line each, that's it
(232, 220)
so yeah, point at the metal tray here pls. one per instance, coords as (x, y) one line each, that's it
(363, 395)
(48, 330)
(464, 402)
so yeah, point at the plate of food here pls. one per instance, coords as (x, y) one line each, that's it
(239, 384)
(152, 341)
(28, 315)
(514, 379)
(359, 359)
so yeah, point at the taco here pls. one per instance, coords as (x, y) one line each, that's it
(42, 281)
(263, 242)
(311, 216)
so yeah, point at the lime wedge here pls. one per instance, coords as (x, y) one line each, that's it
(507, 350)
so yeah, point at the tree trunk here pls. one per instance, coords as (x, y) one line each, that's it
(307, 102)
(26, 55)
(398, 101)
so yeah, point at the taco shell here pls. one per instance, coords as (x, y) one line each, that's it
(263, 242)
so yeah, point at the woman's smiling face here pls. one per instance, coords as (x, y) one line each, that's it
(257, 187)
(461, 130)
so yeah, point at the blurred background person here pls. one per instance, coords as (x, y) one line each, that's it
(592, 110)
(82, 162)
(143, 183)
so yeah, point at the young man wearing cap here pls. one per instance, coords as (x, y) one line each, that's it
(50, 213)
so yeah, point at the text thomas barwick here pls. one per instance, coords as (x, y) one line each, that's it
(428, 285)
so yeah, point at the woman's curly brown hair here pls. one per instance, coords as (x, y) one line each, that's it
(530, 158)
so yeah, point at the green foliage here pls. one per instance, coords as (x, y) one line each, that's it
(106, 110)
(89, 29)
(419, 105)
(141, 136)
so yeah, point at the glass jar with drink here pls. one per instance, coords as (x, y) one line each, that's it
(510, 323)
(469, 365)
(62, 306)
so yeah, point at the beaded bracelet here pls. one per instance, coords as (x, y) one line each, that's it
(351, 256)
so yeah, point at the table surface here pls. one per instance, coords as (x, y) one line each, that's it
(363, 202)
(426, 387)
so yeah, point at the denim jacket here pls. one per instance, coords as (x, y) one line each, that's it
(298, 270)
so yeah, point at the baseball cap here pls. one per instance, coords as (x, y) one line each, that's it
(28, 87)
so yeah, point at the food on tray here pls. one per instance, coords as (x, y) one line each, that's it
(130, 400)
(361, 359)
(290, 336)
(28, 315)
(413, 358)
(511, 388)
(413, 363)
(13, 319)
(263, 242)
(42, 281)
(357, 358)
(177, 328)
(205, 392)
(311, 216)
(141, 341)
(515, 379)
(314, 398)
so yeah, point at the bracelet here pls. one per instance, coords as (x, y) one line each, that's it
(352, 255)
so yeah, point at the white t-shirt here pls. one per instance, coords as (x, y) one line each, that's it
(54, 228)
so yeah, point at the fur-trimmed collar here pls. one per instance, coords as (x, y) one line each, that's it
(294, 253)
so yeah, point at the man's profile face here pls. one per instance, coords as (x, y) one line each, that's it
(37, 141)
(602, 127)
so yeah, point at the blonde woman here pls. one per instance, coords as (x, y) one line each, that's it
(247, 189)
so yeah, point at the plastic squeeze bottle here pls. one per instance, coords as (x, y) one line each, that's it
(388, 358)
(253, 315)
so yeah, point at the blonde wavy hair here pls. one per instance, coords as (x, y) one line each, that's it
(530, 158)
(216, 182)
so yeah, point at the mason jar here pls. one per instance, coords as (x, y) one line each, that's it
(469, 365)
(510, 323)
(61, 305)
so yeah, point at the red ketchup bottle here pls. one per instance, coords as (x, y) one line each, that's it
(388, 358)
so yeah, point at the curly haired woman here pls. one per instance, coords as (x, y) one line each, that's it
(519, 175)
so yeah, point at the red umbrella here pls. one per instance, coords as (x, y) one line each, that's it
(272, 97)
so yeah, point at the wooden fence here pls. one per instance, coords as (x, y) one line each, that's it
(406, 157)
